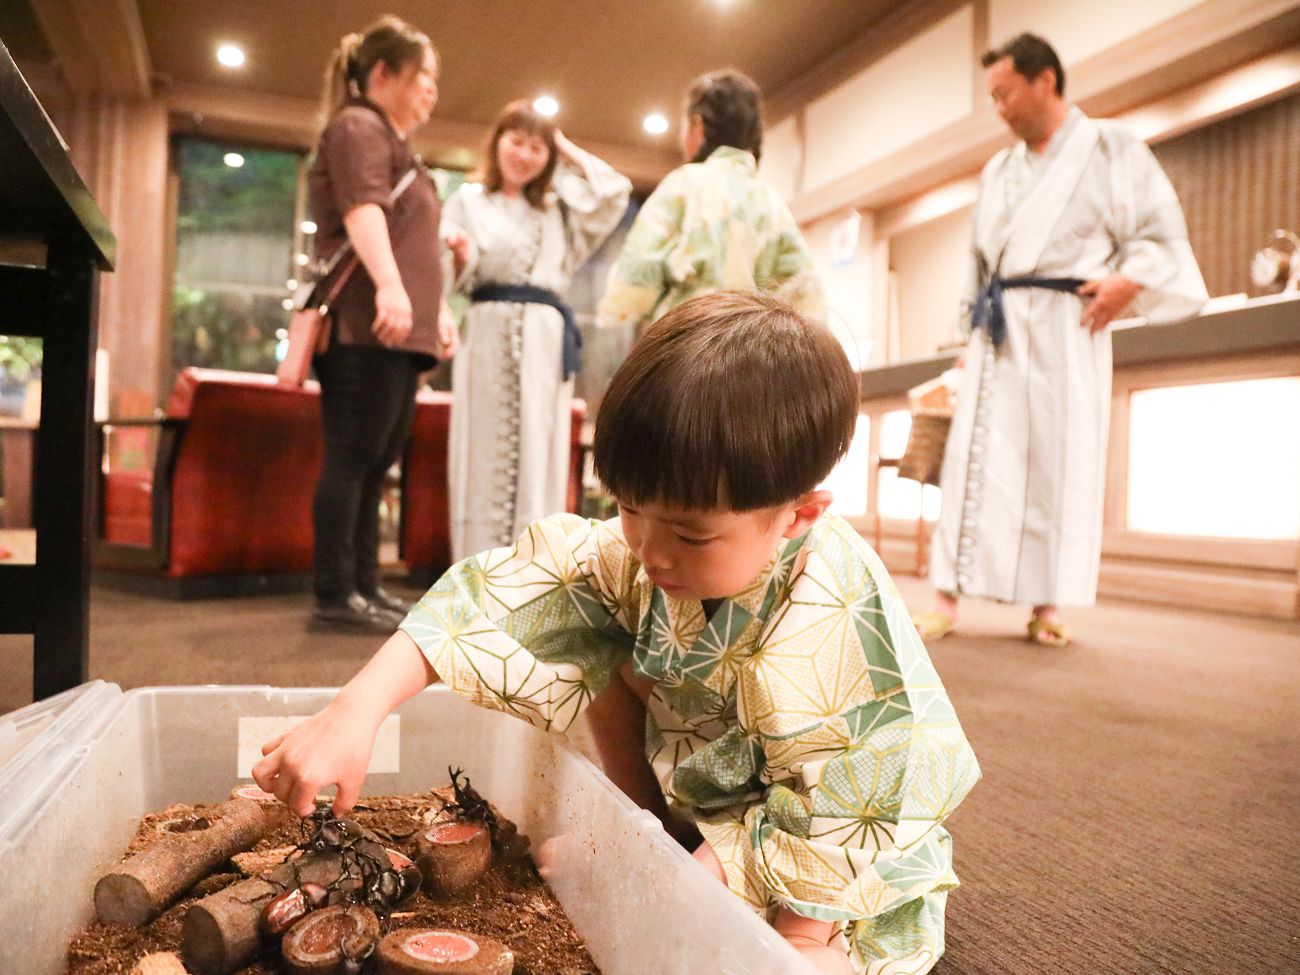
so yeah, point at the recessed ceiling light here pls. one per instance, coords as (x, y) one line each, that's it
(230, 55)
(307, 226)
(546, 105)
(233, 159)
(655, 124)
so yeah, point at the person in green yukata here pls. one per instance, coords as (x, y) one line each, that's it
(791, 713)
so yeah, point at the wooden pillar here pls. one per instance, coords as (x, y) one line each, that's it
(120, 147)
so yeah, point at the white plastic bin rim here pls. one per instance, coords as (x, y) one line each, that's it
(40, 742)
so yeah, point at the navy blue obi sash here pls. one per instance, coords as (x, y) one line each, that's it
(987, 311)
(531, 294)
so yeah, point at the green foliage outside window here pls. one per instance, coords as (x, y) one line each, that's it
(235, 255)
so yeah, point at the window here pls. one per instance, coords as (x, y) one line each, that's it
(1216, 459)
(237, 237)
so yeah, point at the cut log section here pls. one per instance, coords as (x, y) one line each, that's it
(331, 941)
(453, 855)
(408, 873)
(159, 963)
(427, 951)
(139, 889)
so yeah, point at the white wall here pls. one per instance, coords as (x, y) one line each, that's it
(781, 157)
(1076, 29)
(914, 90)
(848, 288)
(931, 264)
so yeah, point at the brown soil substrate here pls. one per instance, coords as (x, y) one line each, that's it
(511, 902)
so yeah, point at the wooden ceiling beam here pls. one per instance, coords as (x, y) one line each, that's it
(100, 47)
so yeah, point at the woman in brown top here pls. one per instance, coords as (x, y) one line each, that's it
(389, 323)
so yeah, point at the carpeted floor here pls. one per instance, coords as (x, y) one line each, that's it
(1140, 804)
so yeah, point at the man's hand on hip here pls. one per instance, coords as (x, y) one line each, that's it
(1104, 299)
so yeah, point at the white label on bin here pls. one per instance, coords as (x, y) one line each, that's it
(255, 732)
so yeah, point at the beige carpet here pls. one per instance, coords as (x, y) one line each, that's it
(1140, 806)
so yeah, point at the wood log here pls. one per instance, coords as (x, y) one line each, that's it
(323, 941)
(139, 889)
(159, 963)
(453, 855)
(221, 933)
(432, 952)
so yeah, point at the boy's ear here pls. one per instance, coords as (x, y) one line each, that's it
(807, 509)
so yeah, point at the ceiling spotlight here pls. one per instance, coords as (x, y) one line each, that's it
(307, 226)
(287, 304)
(233, 159)
(546, 105)
(301, 260)
(655, 124)
(230, 55)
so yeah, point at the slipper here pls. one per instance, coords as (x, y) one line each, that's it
(933, 625)
(1051, 633)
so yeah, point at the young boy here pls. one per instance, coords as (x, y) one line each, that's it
(793, 713)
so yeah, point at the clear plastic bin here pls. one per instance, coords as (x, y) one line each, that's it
(642, 904)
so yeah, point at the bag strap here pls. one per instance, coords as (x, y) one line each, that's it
(345, 251)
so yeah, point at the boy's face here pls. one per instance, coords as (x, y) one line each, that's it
(693, 554)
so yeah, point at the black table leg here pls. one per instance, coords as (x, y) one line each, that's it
(64, 473)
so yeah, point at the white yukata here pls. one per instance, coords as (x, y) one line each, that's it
(1025, 462)
(510, 420)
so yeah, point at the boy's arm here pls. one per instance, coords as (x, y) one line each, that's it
(333, 747)
(536, 629)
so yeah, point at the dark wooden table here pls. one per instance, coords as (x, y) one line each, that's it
(54, 241)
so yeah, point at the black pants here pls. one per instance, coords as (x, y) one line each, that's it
(367, 405)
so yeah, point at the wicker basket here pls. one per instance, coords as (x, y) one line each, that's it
(923, 458)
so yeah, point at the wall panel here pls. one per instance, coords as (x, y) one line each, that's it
(1238, 180)
(1079, 30)
(782, 157)
(909, 93)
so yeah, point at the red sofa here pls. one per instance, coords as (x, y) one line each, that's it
(227, 506)
(425, 542)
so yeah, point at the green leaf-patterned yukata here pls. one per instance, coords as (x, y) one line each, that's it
(802, 726)
(709, 226)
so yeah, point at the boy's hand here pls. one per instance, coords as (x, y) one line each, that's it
(329, 748)
(809, 937)
(334, 746)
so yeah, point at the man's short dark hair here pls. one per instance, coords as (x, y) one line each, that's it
(1030, 55)
(731, 401)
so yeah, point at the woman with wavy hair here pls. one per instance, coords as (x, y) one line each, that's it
(541, 208)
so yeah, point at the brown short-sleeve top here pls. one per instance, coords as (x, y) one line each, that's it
(360, 159)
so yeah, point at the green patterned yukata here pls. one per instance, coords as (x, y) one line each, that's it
(803, 727)
(709, 226)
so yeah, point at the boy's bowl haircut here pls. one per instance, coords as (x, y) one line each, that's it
(731, 401)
